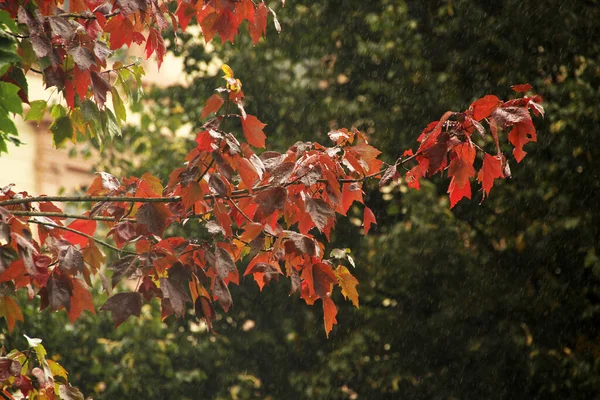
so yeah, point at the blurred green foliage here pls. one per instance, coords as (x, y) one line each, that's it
(493, 301)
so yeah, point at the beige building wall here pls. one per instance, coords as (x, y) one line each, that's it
(39, 168)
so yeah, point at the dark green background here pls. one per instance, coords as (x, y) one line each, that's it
(493, 301)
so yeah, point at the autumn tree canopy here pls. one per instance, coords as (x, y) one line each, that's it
(273, 210)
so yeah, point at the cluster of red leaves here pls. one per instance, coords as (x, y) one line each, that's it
(447, 143)
(71, 48)
(274, 210)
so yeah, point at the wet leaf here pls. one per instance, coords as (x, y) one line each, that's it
(123, 305)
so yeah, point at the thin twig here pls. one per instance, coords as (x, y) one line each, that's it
(206, 171)
(108, 71)
(64, 199)
(86, 16)
(15, 35)
(66, 228)
(240, 210)
(63, 215)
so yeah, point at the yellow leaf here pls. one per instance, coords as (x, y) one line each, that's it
(227, 71)
(348, 284)
(11, 311)
(58, 370)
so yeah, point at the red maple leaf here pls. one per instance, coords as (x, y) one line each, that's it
(253, 131)
(461, 169)
(259, 26)
(491, 169)
(87, 227)
(522, 88)
(368, 219)
(483, 107)
(156, 43)
(184, 13)
(213, 104)
(82, 81)
(120, 30)
(81, 299)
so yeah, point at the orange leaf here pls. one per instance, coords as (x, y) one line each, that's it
(213, 104)
(81, 299)
(348, 284)
(251, 232)
(15, 270)
(93, 256)
(247, 172)
(149, 186)
(223, 218)
(11, 311)
(351, 192)
(253, 130)
(263, 269)
(191, 194)
(368, 219)
(329, 313)
(323, 279)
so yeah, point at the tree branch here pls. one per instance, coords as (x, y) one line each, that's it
(236, 194)
(16, 35)
(62, 215)
(90, 199)
(86, 16)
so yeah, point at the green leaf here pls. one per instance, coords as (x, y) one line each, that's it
(90, 111)
(7, 125)
(18, 77)
(58, 111)
(58, 370)
(118, 105)
(37, 111)
(62, 129)
(92, 117)
(41, 352)
(7, 21)
(112, 127)
(3, 147)
(27, 54)
(9, 98)
(7, 58)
